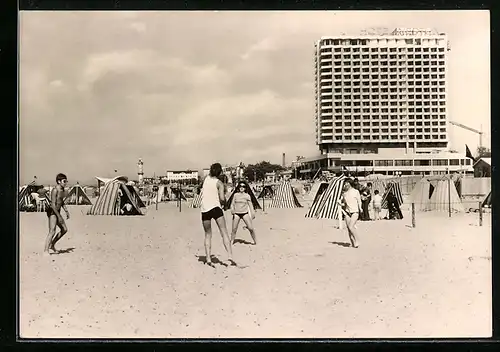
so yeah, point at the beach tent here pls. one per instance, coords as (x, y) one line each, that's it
(445, 197)
(421, 195)
(196, 202)
(109, 201)
(392, 200)
(136, 196)
(326, 201)
(284, 197)
(255, 202)
(176, 193)
(487, 201)
(161, 196)
(266, 192)
(26, 200)
(77, 196)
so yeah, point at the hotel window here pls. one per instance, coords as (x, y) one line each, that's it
(440, 162)
(454, 162)
(422, 162)
(383, 162)
(403, 162)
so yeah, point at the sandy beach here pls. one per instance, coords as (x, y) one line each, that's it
(142, 277)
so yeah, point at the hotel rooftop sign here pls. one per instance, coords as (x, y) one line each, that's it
(414, 31)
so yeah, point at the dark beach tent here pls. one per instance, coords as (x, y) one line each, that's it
(77, 196)
(177, 193)
(255, 202)
(392, 200)
(487, 201)
(25, 199)
(266, 192)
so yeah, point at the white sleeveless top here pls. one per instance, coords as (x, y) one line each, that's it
(210, 198)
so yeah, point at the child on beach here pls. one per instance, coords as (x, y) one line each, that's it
(211, 208)
(54, 215)
(377, 204)
(242, 208)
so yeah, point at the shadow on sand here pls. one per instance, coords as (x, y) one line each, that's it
(236, 241)
(215, 260)
(341, 244)
(64, 251)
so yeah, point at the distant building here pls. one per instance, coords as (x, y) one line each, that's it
(381, 105)
(278, 176)
(482, 167)
(183, 175)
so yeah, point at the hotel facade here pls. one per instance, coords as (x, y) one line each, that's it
(381, 105)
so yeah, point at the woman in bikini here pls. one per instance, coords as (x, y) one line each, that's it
(242, 208)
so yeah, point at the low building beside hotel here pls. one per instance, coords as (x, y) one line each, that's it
(386, 161)
(184, 176)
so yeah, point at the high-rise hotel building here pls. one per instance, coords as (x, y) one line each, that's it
(381, 101)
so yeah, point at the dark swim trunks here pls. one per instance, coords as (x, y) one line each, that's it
(213, 213)
(50, 212)
(241, 215)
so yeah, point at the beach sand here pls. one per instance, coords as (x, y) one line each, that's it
(141, 277)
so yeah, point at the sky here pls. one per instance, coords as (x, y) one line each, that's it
(99, 90)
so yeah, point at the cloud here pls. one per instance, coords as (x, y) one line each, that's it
(138, 26)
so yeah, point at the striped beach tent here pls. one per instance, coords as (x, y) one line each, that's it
(26, 201)
(109, 201)
(255, 202)
(445, 196)
(326, 202)
(284, 197)
(395, 189)
(421, 195)
(77, 196)
(196, 203)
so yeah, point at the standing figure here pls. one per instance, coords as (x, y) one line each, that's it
(54, 215)
(242, 208)
(366, 197)
(352, 208)
(212, 202)
(377, 205)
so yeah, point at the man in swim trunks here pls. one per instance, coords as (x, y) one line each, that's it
(54, 215)
(352, 208)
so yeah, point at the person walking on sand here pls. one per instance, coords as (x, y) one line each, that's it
(352, 208)
(242, 208)
(54, 215)
(211, 208)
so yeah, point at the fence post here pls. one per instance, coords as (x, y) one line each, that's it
(480, 214)
(449, 197)
(413, 223)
